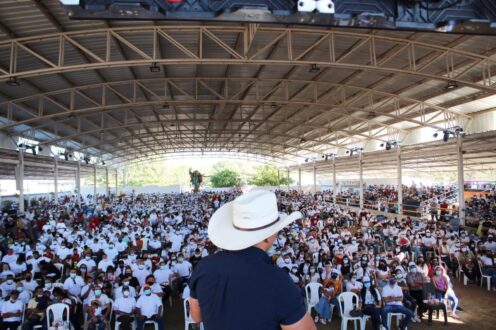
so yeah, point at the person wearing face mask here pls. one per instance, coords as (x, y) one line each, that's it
(353, 285)
(125, 285)
(141, 272)
(36, 309)
(440, 282)
(103, 301)
(11, 312)
(88, 262)
(74, 283)
(408, 301)
(96, 319)
(124, 309)
(382, 273)
(183, 269)
(467, 262)
(105, 263)
(415, 281)
(8, 286)
(153, 285)
(28, 283)
(149, 307)
(393, 298)
(371, 303)
(195, 258)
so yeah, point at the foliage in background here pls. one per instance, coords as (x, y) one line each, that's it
(225, 178)
(267, 175)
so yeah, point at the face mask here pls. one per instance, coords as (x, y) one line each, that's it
(13, 300)
(180, 260)
(72, 275)
(10, 281)
(438, 273)
(125, 294)
(366, 284)
(40, 295)
(399, 276)
(88, 258)
(392, 282)
(464, 249)
(312, 270)
(345, 262)
(353, 280)
(98, 292)
(148, 292)
(48, 286)
(141, 267)
(294, 271)
(287, 261)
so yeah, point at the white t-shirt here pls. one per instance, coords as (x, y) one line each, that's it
(394, 291)
(74, 285)
(125, 305)
(12, 307)
(149, 305)
(183, 269)
(163, 275)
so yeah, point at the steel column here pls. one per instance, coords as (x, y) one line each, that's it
(20, 180)
(288, 180)
(334, 181)
(314, 177)
(78, 183)
(56, 179)
(94, 183)
(116, 182)
(299, 179)
(461, 180)
(107, 190)
(360, 164)
(399, 183)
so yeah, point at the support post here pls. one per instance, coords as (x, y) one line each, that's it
(288, 178)
(461, 180)
(299, 179)
(21, 181)
(360, 168)
(314, 177)
(78, 183)
(279, 179)
(56, 179)
(94, 183)
(399, 183)
(107, 190)
(116, 182)
(334, 181)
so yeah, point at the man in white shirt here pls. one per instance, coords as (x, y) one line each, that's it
(183, 268)
(74, 283)
(490, 244)
(124, 309)
(88, 262)
(141, 272)
(149, 307)
(393, 297)
(104, 263)
(11, 311)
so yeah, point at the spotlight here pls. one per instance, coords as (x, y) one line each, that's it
(86, 160)
(306, 160)
(314, 68)
(435, 135)
(154, 68)
(103, 163)
(382, 145)
(22, 146)
(13, 82)
(446, 135)
(451, 85)
(66, 156)
(303, 140)
(388, 146)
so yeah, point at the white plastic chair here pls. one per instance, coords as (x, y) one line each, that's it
(459, 272)
(60, 268)
(118, 324)
(398, 316)
(22, 317)
(347, 302)
(187, 316)
(487, 277)
(312, 295)
(58, 311)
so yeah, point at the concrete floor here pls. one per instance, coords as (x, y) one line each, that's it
(479, 305)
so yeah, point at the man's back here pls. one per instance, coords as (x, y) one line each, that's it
(243, 290)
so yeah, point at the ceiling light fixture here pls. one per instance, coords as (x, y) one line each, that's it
(13, 82)
(314, 68)
(154, 68)
(451, 85)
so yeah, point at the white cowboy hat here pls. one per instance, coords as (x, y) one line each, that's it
(247, 220)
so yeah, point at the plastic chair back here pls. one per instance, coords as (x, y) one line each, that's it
(312, 293)
(347, 302)
(58, 311)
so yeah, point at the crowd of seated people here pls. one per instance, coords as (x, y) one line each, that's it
(120, 258)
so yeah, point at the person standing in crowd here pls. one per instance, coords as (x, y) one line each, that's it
(247, 228)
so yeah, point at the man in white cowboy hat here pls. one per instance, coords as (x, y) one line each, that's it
(240, 288)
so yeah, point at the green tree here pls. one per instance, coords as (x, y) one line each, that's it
(267, 175)
(225, 178)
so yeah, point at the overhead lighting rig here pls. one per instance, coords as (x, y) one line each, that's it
(354, 150)
(34, 148)
(328, 156)
(390, 144)
(447, 133)
(310, 159)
